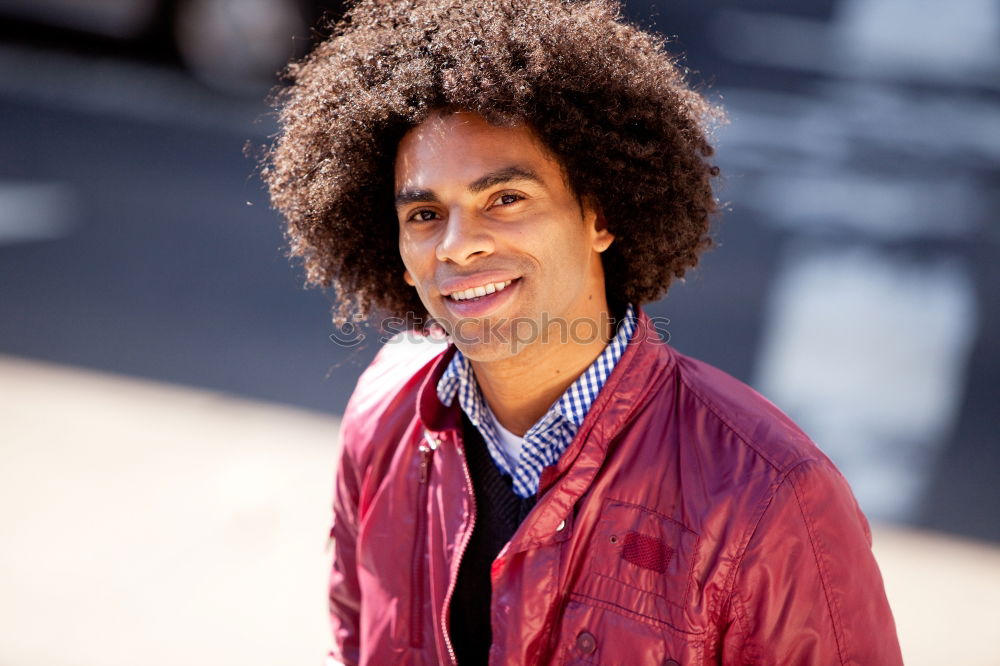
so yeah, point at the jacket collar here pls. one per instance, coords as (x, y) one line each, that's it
(644, 365)
(433, 415)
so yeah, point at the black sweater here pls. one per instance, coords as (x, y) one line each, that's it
(498, 513)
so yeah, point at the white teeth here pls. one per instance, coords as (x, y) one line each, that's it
(476, 292)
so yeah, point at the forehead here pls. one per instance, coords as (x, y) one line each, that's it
(458, 147)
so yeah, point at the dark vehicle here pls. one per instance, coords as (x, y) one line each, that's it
(235, 45)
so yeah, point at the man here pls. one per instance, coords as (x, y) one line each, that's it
(554, 484)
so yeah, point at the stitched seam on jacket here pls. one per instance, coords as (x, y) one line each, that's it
(641, 591)
(581, 598)
(728, 589)
(750, 646)
(831, 602)
(736, 431)
(662, 516)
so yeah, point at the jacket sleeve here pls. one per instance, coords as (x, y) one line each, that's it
(345, 593)
(807, 589)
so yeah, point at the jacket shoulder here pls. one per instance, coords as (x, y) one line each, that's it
(384, 400)
(752, 422)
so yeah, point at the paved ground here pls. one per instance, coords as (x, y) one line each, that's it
(150, 524)
(146, 524)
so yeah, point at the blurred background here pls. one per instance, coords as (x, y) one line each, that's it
(170, 393)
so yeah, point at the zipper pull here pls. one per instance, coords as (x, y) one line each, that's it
(425, 463)
(426, 452)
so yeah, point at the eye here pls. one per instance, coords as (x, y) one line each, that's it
(507, 198)
(422, 215)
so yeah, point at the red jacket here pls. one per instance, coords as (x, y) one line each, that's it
(689, 520)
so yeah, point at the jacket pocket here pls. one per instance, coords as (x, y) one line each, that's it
(640, 562)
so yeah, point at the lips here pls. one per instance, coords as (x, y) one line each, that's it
(479, 291)
(480, 297)
(463, 283)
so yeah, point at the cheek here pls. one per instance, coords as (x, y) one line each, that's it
(408, 251)
(418, 260)
(567, 259)
(569, 243)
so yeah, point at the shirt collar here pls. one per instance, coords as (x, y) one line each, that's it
(573, 405)
(576, 401)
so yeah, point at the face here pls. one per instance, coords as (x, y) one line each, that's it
(497, 245)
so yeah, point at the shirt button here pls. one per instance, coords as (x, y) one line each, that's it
(586, 643)
(561, 526)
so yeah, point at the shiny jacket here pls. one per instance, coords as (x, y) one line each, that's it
(689, 522)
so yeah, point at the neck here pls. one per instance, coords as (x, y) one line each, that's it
(520, 389)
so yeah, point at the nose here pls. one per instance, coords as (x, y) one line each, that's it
(465, 239)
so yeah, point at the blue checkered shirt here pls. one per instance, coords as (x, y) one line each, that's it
(545, 442)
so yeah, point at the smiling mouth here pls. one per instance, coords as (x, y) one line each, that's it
(475, 293)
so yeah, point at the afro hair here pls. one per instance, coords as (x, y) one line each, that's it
(603, 96)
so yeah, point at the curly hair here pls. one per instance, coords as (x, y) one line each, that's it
(603, 96)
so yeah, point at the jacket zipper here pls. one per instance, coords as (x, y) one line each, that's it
(419, 544)
(461, 552)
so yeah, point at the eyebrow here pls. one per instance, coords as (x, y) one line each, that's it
(405, 197)
(491, 179)
(503, 175)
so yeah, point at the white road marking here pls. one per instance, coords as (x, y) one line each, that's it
(868, 353)
(33, 211)
(872, 39)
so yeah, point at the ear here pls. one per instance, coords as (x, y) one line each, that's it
(409, 279)
(598, 225)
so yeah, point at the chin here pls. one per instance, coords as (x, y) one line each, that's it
(486, 343)
(485, 352)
